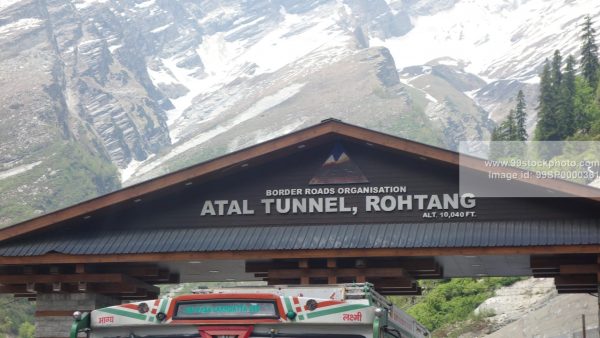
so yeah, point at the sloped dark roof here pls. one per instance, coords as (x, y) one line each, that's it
(311, 237)
(260, 153)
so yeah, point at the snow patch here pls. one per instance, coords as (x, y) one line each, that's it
(145, 4)
(223, 13)
(19, 25)
(316, 38)
(448, 62)
(266, 134)
(223, 59)
(428, 96)
(160, 76)
(256, 109)
(113, 48)
(489, 37)
(81, 4)
(263, 137)
(267, 103)
(131, 168)
(161, 28)
(18, 170)
(7, 3)
(532, 80)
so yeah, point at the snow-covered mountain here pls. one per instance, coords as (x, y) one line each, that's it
(150, 86)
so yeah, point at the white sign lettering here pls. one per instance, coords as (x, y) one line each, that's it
(326, 200)
(225, 207)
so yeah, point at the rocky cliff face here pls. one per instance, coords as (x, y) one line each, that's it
(532, 308)
(66, 60)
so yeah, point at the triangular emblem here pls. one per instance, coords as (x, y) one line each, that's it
(338, 168)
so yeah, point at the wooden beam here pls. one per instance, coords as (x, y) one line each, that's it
(578, 269)
(80, 268)
(15, 289)
(57, 258)
(562, 292)
(340, 272)
(331, 265)
(412, 286)
(544, 274)
(576, 288)
(393, 283)
(264, 266)
(427, 275)
(413, 292)
(104, 288)
(576, 280)
(414, 265)
(116, 282)
(150, 271)
(303, 266)
(555, 261)
(66, 278)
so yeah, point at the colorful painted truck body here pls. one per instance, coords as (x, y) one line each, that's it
(339, 311)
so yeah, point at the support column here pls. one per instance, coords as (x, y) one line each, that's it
(53, 315)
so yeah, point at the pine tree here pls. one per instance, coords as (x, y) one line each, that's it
(598, 92)
(556, 72)
(497, 144)
(510, 127)
(589, 53)
(566, 120)
(546, 126)
(521, 117)
(585, 109)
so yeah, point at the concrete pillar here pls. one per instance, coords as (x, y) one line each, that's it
(53, 316)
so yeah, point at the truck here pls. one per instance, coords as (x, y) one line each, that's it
(353, 310)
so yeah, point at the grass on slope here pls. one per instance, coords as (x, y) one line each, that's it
(68, 174)
(16, 317)
(448, 302)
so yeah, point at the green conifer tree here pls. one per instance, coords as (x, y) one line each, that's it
(546, 121)
(589, 53)
(556, 73)
(521, 117)
(497, 144)
(598, 92)
(566, 119)
(510, 127)
(585, 109)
